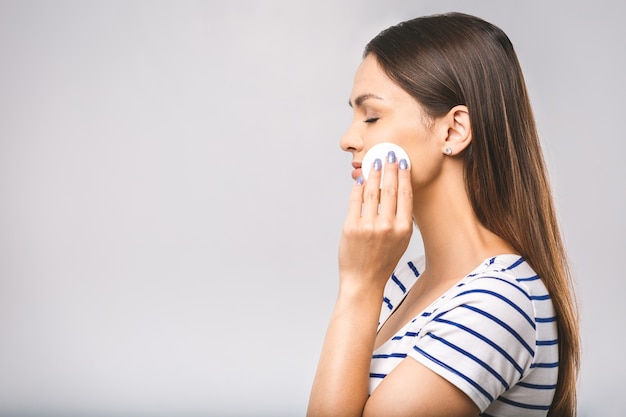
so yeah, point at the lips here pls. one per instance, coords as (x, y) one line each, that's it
(356, 173)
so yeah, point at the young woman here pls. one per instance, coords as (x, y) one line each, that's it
(484, 322)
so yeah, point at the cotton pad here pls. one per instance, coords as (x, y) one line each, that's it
(380, 151)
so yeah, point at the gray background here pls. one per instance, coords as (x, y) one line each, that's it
(172, 191)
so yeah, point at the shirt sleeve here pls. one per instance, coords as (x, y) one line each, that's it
(482, 339)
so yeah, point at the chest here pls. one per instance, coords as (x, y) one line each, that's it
(417, 301)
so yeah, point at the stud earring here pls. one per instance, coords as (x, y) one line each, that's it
(448, 150)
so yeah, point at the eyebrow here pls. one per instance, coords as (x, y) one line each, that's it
(360, 99)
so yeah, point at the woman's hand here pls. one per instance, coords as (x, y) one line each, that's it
(378, 226)
(376, 234)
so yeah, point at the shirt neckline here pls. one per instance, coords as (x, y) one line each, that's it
(489, 263)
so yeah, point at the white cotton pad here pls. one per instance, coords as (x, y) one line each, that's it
(380, 151)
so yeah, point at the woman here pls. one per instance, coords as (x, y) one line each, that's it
(484, 323)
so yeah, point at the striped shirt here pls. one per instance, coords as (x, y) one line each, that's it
(493, 335)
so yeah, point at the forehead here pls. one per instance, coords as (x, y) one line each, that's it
(371, 79)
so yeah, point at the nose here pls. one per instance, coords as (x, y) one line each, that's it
(351, 141)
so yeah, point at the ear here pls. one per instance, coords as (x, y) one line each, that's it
(459, 130)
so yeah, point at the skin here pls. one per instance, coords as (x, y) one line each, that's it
(376, 233)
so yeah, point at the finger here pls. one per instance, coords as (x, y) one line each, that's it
(405, 193)
(389, 191)
(371, 192)
(355, 204)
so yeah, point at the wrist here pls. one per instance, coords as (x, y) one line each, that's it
(360, 295)
(362, 283)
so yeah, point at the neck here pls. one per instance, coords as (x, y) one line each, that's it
(455, 242)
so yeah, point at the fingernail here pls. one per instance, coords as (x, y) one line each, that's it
(359, 180)
(391, 157)
(378, 164)
(403, 164)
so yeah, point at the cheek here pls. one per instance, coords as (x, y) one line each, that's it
(426, 161)
(424, 172)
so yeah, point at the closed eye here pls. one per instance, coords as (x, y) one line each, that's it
(371, 120)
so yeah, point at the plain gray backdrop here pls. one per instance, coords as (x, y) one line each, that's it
(172, 192)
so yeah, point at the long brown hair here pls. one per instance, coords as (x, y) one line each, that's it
(451, 59)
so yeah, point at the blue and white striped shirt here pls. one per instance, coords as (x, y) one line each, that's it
(493, 335)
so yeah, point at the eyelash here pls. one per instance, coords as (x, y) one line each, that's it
(371, 120)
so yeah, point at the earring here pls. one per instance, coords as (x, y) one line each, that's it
(448, 150)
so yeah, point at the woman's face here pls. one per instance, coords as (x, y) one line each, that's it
(384, 112)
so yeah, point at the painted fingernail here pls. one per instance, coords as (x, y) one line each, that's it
(359, 180)
(378, 164)
(403, 164)
(391, 157)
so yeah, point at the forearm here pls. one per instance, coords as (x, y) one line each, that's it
(342, 380)
(375, 235)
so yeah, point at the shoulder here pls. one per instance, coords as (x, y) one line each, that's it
(507, 282)
(482, 337)
(502, 293)
(492, 307)
(504, 276)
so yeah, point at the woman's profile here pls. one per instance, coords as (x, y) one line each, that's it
(484, 322)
